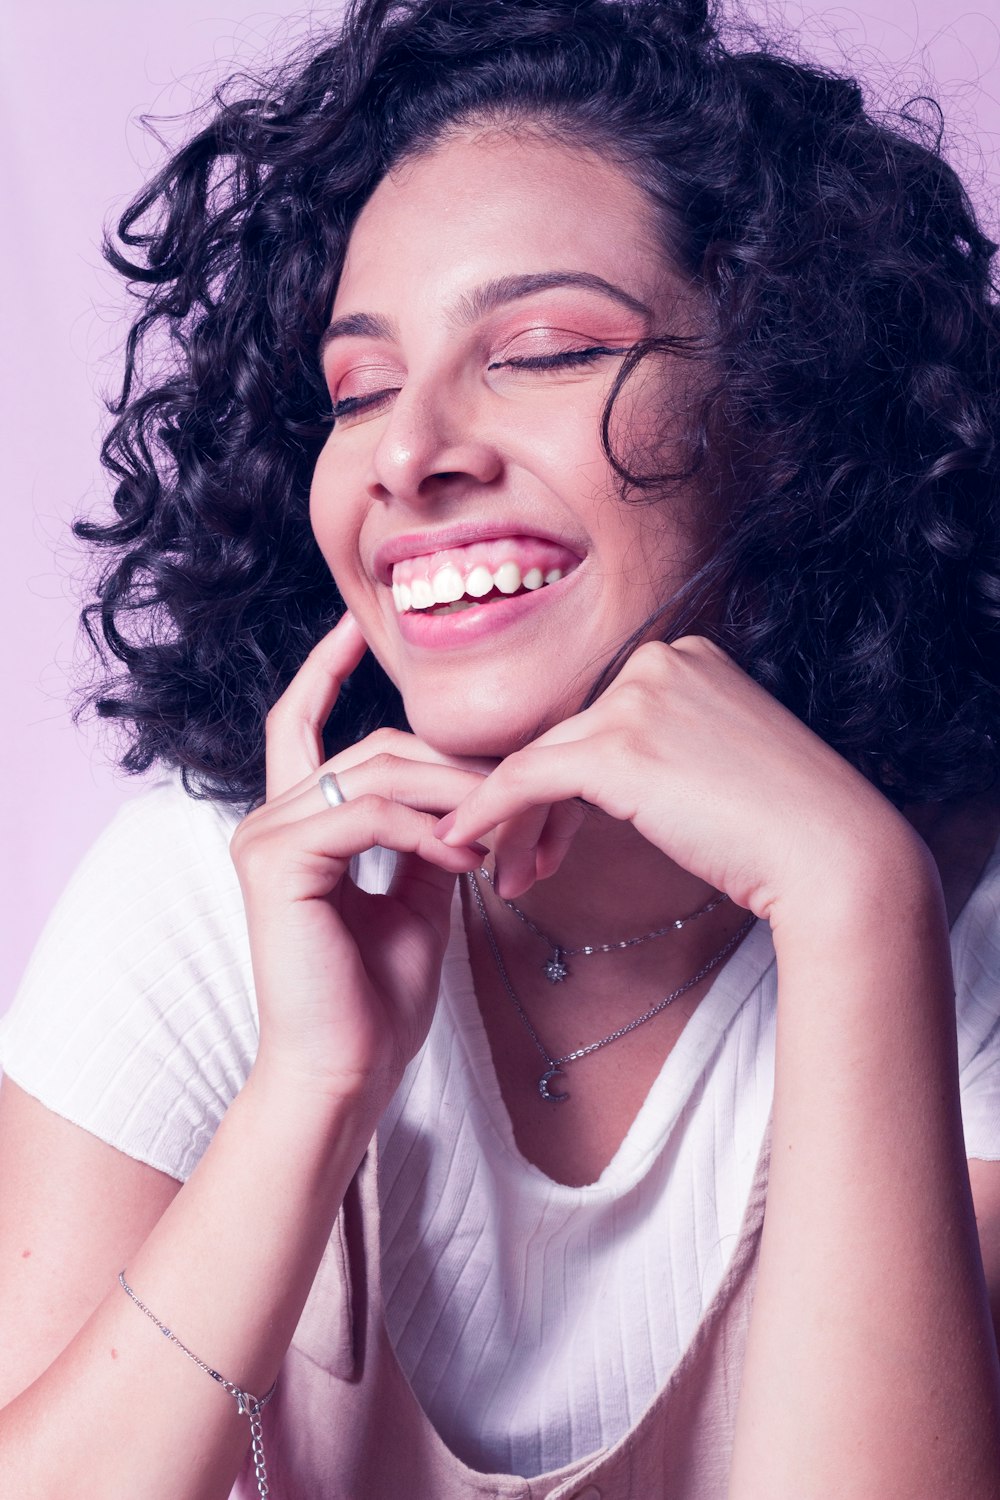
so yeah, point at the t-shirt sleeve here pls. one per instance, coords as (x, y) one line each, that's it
(136, 1017)
(976, 956)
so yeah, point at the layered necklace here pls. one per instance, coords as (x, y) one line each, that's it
(556, 969)
(554, 1065)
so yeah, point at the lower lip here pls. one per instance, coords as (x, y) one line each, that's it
(466, 626)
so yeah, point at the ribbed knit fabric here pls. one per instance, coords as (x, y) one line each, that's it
(136, 1016)
(535, 1321)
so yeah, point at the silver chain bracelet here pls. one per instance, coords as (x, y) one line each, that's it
(246, 1405)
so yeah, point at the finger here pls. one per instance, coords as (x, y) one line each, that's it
(533, 846)
(356, 826)
(395, 742)
(420, 885)
(515, 847)
(540, 775)
(428, 786)
(307, 859)
(294, 741)
(407, 747)
(561, 828)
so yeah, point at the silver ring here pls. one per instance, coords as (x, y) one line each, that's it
(331, 789)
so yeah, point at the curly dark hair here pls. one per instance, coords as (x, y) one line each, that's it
(850, 422)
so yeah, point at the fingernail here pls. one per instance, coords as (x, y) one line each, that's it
(508, 888)
(444, 827)
(480, 849)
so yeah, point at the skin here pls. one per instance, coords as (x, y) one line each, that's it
(454, 432)
(871, 1366)
(450, 431)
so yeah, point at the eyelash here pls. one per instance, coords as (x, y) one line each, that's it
(564, 360)
(554, 361)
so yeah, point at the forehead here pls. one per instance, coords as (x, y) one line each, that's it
(500, 202)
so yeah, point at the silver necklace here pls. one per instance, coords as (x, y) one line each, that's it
(556, 969)
(554, 1065)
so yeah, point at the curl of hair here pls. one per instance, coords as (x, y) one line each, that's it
(845, 445)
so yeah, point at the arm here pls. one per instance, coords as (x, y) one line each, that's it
(346, 985)
(871, 1369)
(871, 1366)
(227, 1260)
(72, 1213)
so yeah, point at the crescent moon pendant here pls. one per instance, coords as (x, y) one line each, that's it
(546, 1092)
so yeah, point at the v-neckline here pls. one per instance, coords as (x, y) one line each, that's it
(671, 1090)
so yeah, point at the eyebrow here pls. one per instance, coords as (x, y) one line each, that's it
(483, 300)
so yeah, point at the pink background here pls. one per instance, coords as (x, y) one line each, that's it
(74, 81)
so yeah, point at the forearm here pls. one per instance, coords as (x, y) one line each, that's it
(871, 1366)
(228, 1267)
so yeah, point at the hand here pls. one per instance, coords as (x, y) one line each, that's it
(706, 765)
(346, 981)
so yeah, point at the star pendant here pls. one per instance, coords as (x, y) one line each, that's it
(555, 970)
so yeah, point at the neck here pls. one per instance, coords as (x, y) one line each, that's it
(612, 885)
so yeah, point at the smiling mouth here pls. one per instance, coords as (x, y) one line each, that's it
(464, 578)
(481, 587)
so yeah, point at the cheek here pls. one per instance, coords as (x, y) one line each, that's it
(320, 496)
(562, 449)
(332, 518)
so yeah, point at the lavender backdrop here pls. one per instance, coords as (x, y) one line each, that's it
(74, 82)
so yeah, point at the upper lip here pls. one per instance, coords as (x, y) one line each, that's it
(421, 543)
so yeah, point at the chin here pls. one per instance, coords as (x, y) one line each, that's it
(467, 739)
(474, 731)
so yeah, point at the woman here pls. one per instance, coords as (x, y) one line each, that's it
(662, 485)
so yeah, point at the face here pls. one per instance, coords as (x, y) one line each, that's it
(463, 500)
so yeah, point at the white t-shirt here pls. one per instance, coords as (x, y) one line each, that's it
(534, 1320)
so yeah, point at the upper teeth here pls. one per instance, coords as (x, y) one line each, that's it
(447, 585)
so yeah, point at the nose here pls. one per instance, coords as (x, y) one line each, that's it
(433, 446)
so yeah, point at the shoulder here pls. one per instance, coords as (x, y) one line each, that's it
(136, 1016)
(157, 841)
(165, 826)
(157, 881)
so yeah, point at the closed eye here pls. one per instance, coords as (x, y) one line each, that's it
(370, 402)
(566, 357)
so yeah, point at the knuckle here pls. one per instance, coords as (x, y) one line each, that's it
(699, 646)
(385, 765)
(651, 654)
(383, 741)
(514, 773)
(375, 779)
(245, 832)
(253, 858)
(366, 805)
(276, 716)
(638, 695)
(650, 663)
